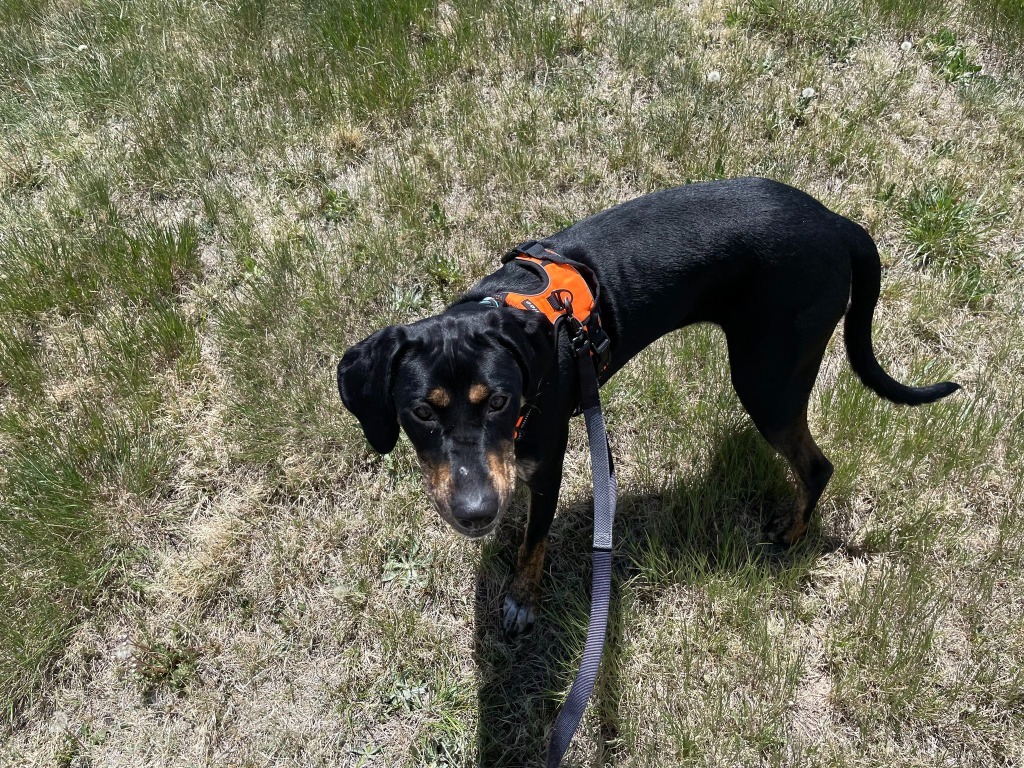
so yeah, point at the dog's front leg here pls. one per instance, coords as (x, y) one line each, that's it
(520, 603)
(544, 478)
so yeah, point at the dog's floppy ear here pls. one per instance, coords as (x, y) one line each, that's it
(365, 376)
(529, 336)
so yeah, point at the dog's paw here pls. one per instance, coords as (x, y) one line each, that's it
(516, 618)
(786, 529)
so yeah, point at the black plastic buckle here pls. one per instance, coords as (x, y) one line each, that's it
(529, 248)
(532, 248)
(579, 339)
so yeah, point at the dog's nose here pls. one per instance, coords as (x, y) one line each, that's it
(475, 511)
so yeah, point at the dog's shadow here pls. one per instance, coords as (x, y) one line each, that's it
(713, 518)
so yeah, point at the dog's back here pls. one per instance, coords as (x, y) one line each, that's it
(729, 252)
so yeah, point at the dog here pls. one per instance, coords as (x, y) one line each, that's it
(770, 265)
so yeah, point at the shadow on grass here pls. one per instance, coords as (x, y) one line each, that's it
(705, 524)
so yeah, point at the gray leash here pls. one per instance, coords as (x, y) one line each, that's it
(605, 492)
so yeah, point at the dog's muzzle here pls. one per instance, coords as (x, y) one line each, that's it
(472, 502)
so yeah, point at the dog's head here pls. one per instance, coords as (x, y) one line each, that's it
(455, 383)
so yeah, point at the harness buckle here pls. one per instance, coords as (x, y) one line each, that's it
(561, 300)
(579, 339)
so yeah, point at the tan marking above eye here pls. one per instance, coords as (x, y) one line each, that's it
(439, 397)
(478, 393)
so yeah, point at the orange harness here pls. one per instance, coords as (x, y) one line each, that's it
(565, 289)
(565, 297)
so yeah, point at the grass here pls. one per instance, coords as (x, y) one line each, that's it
(203, 205)
(946, 228)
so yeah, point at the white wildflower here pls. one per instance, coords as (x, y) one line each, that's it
(808, 93)
(906, 45)
(123, 651)
(60, 722)
(714, 76)
(83, 47)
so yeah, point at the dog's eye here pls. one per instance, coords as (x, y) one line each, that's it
(498, 402)
(423, 413)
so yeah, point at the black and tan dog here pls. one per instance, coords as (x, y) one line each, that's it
(771, 266)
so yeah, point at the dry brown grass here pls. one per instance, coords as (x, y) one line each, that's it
(256, 587)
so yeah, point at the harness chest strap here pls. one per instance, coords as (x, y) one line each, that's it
(565, 297)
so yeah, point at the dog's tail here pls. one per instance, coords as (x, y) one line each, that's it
(867, 280)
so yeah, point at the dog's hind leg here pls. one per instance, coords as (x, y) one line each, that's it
(773, 376)
(812, 470)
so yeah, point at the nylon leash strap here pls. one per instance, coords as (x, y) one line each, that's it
(605, 493)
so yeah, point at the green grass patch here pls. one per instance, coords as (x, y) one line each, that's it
(92, 321)
(883, 656)
(946, 227)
